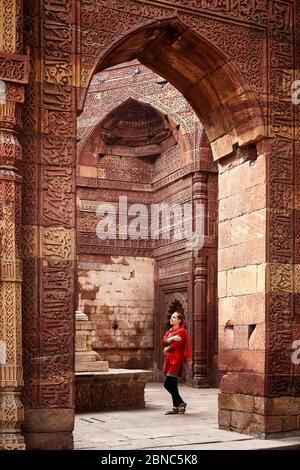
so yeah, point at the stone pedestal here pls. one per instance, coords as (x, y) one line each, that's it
(87, 360)
(117, 389)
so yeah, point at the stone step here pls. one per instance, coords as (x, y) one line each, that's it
(98, 366)
(90, 356)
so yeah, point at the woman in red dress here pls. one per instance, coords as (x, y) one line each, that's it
(176, 348)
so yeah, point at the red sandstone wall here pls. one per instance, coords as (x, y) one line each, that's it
(118, 292)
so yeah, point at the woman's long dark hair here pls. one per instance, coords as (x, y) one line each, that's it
(181, 317)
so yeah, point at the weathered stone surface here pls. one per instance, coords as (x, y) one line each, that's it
(277, 406)
(122, 307)
(242, 310)
(112, 390)
(257, 340)
(242, 281)
(261, 282)
(251, 423)
(137, 118)
(257, 415)
(224, 417)
(248, 228)
(48, 421)
(242, 177)
(99, 366)
(243, 403)
(49, 441)
(245, 202)
(241, 337)
(222, 284)
(242, 254)
(242, 360)
(88, 171)
(245, 383)
(226, 337)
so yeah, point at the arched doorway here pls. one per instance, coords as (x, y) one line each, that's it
(232, 117)
(167, 47)
(115, 140)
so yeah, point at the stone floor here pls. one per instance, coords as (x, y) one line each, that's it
(150, 429)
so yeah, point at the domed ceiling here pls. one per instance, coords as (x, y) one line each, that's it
(135, 124)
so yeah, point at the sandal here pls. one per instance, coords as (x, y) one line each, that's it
(181, 408)
(173, 411)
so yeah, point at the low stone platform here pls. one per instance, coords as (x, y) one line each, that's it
(116, 389)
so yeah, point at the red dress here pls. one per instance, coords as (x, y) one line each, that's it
(179, 350)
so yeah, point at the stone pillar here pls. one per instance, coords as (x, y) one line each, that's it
(48, 224)
(11, 26)
(259, 261)
(190, 309)
(200, 290)
(200, 323)
(11, 370)
(13, 77)
(257, 283)
(241, 289)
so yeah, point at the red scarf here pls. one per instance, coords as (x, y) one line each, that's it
(187, 346)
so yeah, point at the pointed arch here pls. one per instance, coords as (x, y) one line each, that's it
(105, 112)
(201, 72)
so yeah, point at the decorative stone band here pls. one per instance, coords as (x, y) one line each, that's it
(11, 375)
(14, 68)
(81, 341)
(11, 271)
(10, 117)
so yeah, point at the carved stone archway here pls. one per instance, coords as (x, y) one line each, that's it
(235, 93)
(113, 108)
(186, 129)
(199, 83)
(175, 301)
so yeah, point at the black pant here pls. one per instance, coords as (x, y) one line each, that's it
(171, 384)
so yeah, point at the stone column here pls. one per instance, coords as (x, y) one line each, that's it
(48, 224)
(241, 288)
(11, 370)
(13, 77)
(200, 324)
(190, 309)
(200, 291)
(259, 260)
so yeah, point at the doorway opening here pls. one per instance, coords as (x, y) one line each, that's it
(139, 139)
